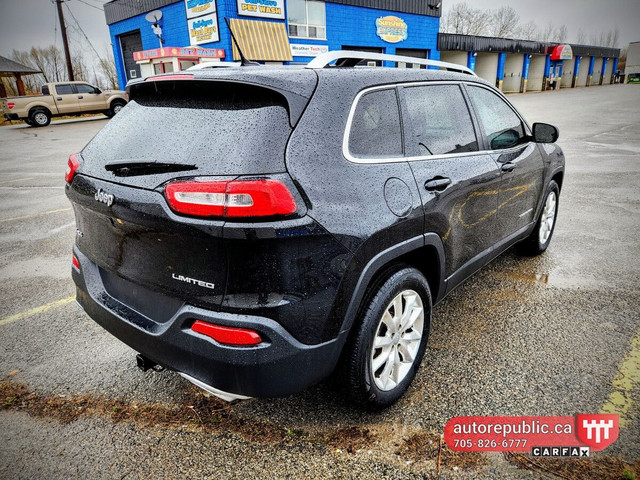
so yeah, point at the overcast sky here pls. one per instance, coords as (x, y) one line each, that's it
(27, 23)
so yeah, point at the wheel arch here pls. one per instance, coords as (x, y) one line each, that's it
(116, 100)
(558, 177)
(425, 253)
(39, 107)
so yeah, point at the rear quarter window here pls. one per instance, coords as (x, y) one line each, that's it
(375, 127)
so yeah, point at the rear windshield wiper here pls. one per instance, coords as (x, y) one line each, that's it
(131, 168)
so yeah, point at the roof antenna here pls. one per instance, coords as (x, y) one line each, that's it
(244, 61)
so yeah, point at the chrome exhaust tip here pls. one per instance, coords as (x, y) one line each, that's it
(226, 396)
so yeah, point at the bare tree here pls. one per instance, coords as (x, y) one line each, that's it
(465, 20)
(613, 37)
(79, 66)
(529, 31)
(581, 37)
(504, 22)
(548, 32)
(107, 67)
(560, 34)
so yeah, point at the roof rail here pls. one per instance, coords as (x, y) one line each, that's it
(350, 58)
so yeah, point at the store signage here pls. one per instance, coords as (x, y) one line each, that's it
(203, 29)
(299, 50)
(197, 8)
(261, 8)
(391, 29)
(182, 52)
(562, 52)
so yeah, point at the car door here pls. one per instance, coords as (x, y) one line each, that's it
(66, 98)
(520, 161)
(89, 99)
(458, 183)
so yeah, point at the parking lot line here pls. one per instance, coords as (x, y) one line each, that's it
(626, 380)
(16, 180)
(35, 311)
(25, 217)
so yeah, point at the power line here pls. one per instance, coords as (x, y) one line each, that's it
(92, 6)
(82, 31)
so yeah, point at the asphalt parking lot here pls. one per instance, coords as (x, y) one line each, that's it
(553, 335)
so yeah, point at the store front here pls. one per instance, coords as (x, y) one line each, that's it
(268, 31)
(174, 59)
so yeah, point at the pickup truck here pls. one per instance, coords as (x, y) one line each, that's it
(63, 98)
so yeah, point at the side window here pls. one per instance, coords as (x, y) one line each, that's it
(45, 89)
(84, 88)
(64, 89)
(502, 126)
(440, 120)
(375, 128)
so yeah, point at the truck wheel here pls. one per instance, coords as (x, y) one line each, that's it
(28, 122)
(40, 118)
(116, 106)
(387, 344)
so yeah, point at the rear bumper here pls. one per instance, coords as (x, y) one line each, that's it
(278, 366)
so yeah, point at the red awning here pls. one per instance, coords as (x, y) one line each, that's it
(562, 52)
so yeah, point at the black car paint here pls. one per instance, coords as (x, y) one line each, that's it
(303, 282)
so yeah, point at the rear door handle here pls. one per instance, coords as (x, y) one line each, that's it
(508, 167)
(80, 97)
(59, 99)
(437, 184)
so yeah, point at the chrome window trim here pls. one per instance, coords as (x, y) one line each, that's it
(345, 139)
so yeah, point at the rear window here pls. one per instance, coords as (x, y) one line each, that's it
(222, 128)
(64, 89)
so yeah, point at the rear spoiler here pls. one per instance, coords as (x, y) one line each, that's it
(296, 100)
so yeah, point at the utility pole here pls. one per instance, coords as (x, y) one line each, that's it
(65, 41)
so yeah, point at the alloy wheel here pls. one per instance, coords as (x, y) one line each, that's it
(397, 340)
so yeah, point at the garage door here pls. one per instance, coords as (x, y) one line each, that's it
(597, 71)
(583, 73)
(512, 72)
(129, 43)
(459, 58)
(536, 73)
(487, 66)
(567, 73)
(607, 73)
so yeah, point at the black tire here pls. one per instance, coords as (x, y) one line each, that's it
(108, 114)
(538, 241)
(116, 106)
(40, 117)
(28, 122)
(364, 385)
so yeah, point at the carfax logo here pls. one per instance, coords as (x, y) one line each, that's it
(560, 451)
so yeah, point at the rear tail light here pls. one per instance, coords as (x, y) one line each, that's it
(227, 335)
(72, 166)
(75, 262)
(231, 199)
(11, 105)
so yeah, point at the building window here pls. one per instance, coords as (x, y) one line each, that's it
(164, 67)
(307, 19)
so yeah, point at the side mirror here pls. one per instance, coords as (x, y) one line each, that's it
(545, 133)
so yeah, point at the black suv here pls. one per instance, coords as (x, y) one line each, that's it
(254, 227)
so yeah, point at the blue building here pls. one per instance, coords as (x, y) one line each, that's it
(159, 36)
